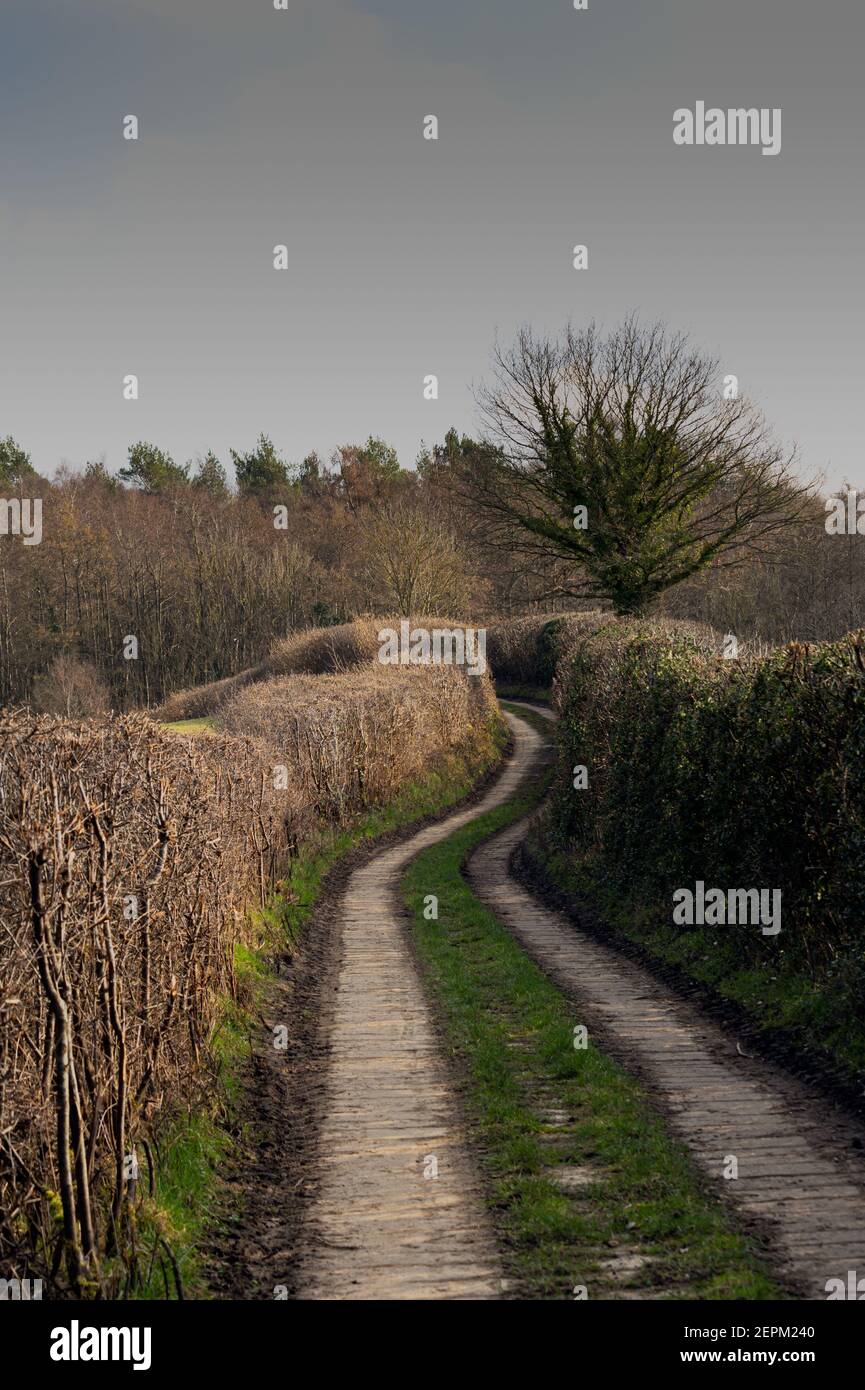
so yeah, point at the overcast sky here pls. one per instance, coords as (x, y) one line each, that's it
(304, 127)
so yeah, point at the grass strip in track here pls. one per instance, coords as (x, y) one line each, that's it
(539, 693)
(585, 1185)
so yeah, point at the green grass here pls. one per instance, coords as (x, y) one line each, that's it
(190, 726)
(511, 1033)
(182, 1208)
(196, 1145)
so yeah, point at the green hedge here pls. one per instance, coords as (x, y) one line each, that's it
(528, 650)
(740, 774)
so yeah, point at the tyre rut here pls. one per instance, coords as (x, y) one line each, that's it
(378, 1227)
(800, 1179)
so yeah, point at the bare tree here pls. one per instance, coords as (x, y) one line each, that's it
(415, 563)
(71, 687)
(619, 456)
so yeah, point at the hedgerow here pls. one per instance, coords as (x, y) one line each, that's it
(737, 773)
(130, 860)
(311, 651)
(527, 650)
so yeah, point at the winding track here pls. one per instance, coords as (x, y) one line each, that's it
(380, 1228)
(801, 1172)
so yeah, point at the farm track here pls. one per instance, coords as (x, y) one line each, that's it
(382, 1100)
(378, 1226)
(801, 1170)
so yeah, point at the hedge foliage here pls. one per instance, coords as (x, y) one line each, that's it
(529, 650)
(742, 774)
(130, 857)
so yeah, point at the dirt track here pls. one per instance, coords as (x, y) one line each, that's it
(378, 1227)
(801, 1173)
(341, 1206)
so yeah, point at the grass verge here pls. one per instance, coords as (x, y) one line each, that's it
(585, 1186)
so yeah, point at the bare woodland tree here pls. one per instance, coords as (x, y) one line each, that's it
(414, 563)
(71, 687)
(618, 456)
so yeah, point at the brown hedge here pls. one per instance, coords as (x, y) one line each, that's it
(129, 857)
(311, 651)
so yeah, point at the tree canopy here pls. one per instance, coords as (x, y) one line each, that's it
(152, 470)
(15, 464)
(620, 457)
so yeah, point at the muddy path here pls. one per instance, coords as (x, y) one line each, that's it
(798, 1159)
(325, 1196)
(398, 1209)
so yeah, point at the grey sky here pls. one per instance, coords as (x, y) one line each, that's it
(305, 127)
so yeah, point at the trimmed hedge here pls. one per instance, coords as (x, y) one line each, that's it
(351, 741)
(528, 650)
(744, 774)
(130, 857)
(312, 651)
